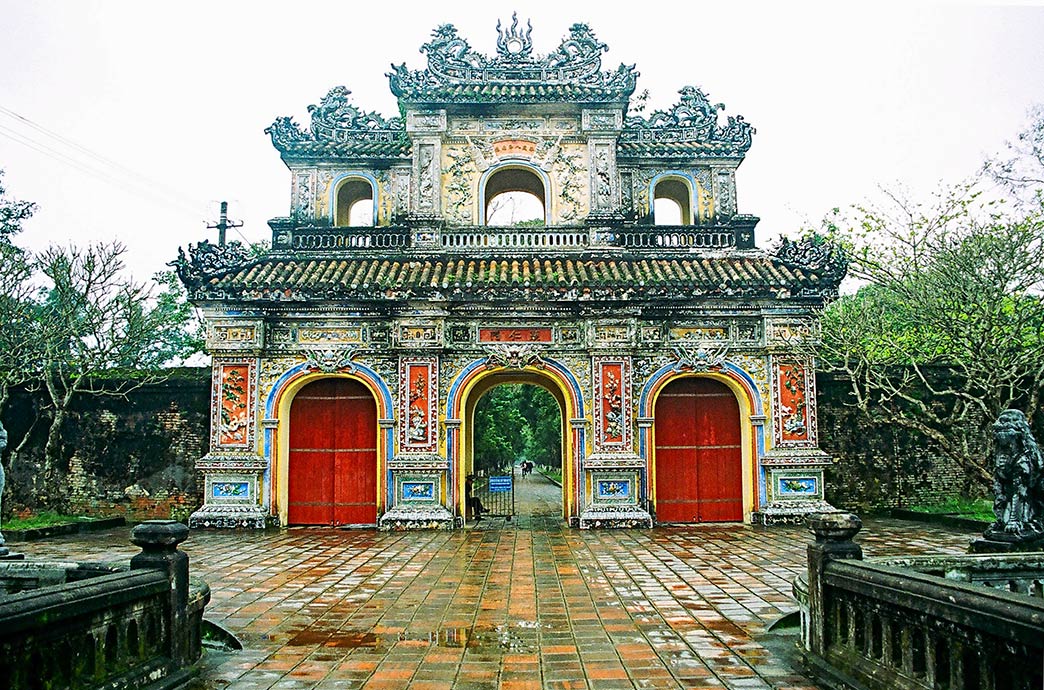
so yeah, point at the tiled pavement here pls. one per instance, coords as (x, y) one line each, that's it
(528, 604)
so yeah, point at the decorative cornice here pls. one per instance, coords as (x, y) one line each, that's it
(456, 73)
(691, 121)
(338, 128)
(824, 258)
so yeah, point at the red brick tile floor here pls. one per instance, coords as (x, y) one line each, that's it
(523, 605)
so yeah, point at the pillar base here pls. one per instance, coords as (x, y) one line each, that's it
(610, 517)
(790, 512)
(406, 517)
(228, 517)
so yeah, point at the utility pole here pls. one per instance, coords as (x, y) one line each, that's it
(224, 224)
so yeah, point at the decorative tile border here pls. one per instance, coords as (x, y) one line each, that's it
(797, 486)
(412, 491)
(616, 488)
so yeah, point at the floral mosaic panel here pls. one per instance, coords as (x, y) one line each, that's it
(233, 398)
(793, 411)
(418, 408)
(612, 403)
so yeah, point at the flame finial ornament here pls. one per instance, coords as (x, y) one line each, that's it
(512, 43)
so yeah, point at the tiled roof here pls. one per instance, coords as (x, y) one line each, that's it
(672, 149)
(347, 149)
(353, 277)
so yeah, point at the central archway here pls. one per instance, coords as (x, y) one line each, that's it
(512, 420)
(518, 184)
(476, 379)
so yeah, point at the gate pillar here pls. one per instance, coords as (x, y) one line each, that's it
(613, 476)
(419, 485)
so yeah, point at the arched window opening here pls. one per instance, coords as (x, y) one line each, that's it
(671, 203)
(515, 196)
(354, 203)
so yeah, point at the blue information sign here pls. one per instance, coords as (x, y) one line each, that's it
(499, 485)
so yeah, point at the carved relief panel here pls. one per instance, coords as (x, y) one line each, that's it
(794, 403)
(418, 404)
(612, 404)
(233, 401)
(303, 195)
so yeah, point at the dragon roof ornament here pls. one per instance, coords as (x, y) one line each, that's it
(826, 259)
(692, 120)
(456, 73)
(338, 127)
(206, 260)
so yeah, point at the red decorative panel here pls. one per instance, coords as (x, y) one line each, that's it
(418, 404)
(612, 403)
(793, 409)
(514, 335)
(699, 459)
(234, 404)
(333, 455)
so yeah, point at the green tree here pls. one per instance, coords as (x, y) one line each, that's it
(948, 329)
(515, 421)
(18, 355)
(101, 333)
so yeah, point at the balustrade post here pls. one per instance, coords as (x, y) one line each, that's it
(834, 532)
(159, 541)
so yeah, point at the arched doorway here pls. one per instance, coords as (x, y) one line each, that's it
(485, 383)
(332, 468)
(517, 430)
(514, 195)
(699, 457)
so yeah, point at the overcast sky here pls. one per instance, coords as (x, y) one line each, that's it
(175, 96)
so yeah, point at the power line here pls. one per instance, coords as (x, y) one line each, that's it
(175, 194)
(129, 186)
(118, 175)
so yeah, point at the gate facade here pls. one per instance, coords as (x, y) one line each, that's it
(600, 301)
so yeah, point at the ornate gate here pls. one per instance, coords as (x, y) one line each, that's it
(333, 455)
(699, 476)
(600, 299)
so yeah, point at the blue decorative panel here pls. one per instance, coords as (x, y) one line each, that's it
(418, 491)
(613, 489)
(797, 486)
(230, 489)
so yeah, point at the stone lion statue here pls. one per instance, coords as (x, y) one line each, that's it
(1018, 481)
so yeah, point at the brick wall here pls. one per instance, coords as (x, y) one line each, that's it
(879, 466)
(130, 455)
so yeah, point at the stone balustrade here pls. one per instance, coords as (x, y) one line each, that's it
(660, 238)
(952, 623)
(86, 626)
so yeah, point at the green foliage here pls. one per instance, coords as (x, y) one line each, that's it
(46, 518)
(948, 328)
(974, 508)
(516, 421)
(12, 213)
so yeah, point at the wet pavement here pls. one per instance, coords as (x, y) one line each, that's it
(519, 605)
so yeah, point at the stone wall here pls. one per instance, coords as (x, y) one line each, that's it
(879, 466)
(130, 455)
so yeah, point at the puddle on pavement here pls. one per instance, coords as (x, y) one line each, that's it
(520, 637)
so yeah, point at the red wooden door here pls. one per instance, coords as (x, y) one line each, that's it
(333, 455)
(699, 475)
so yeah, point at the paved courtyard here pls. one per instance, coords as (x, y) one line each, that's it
(528, 604)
